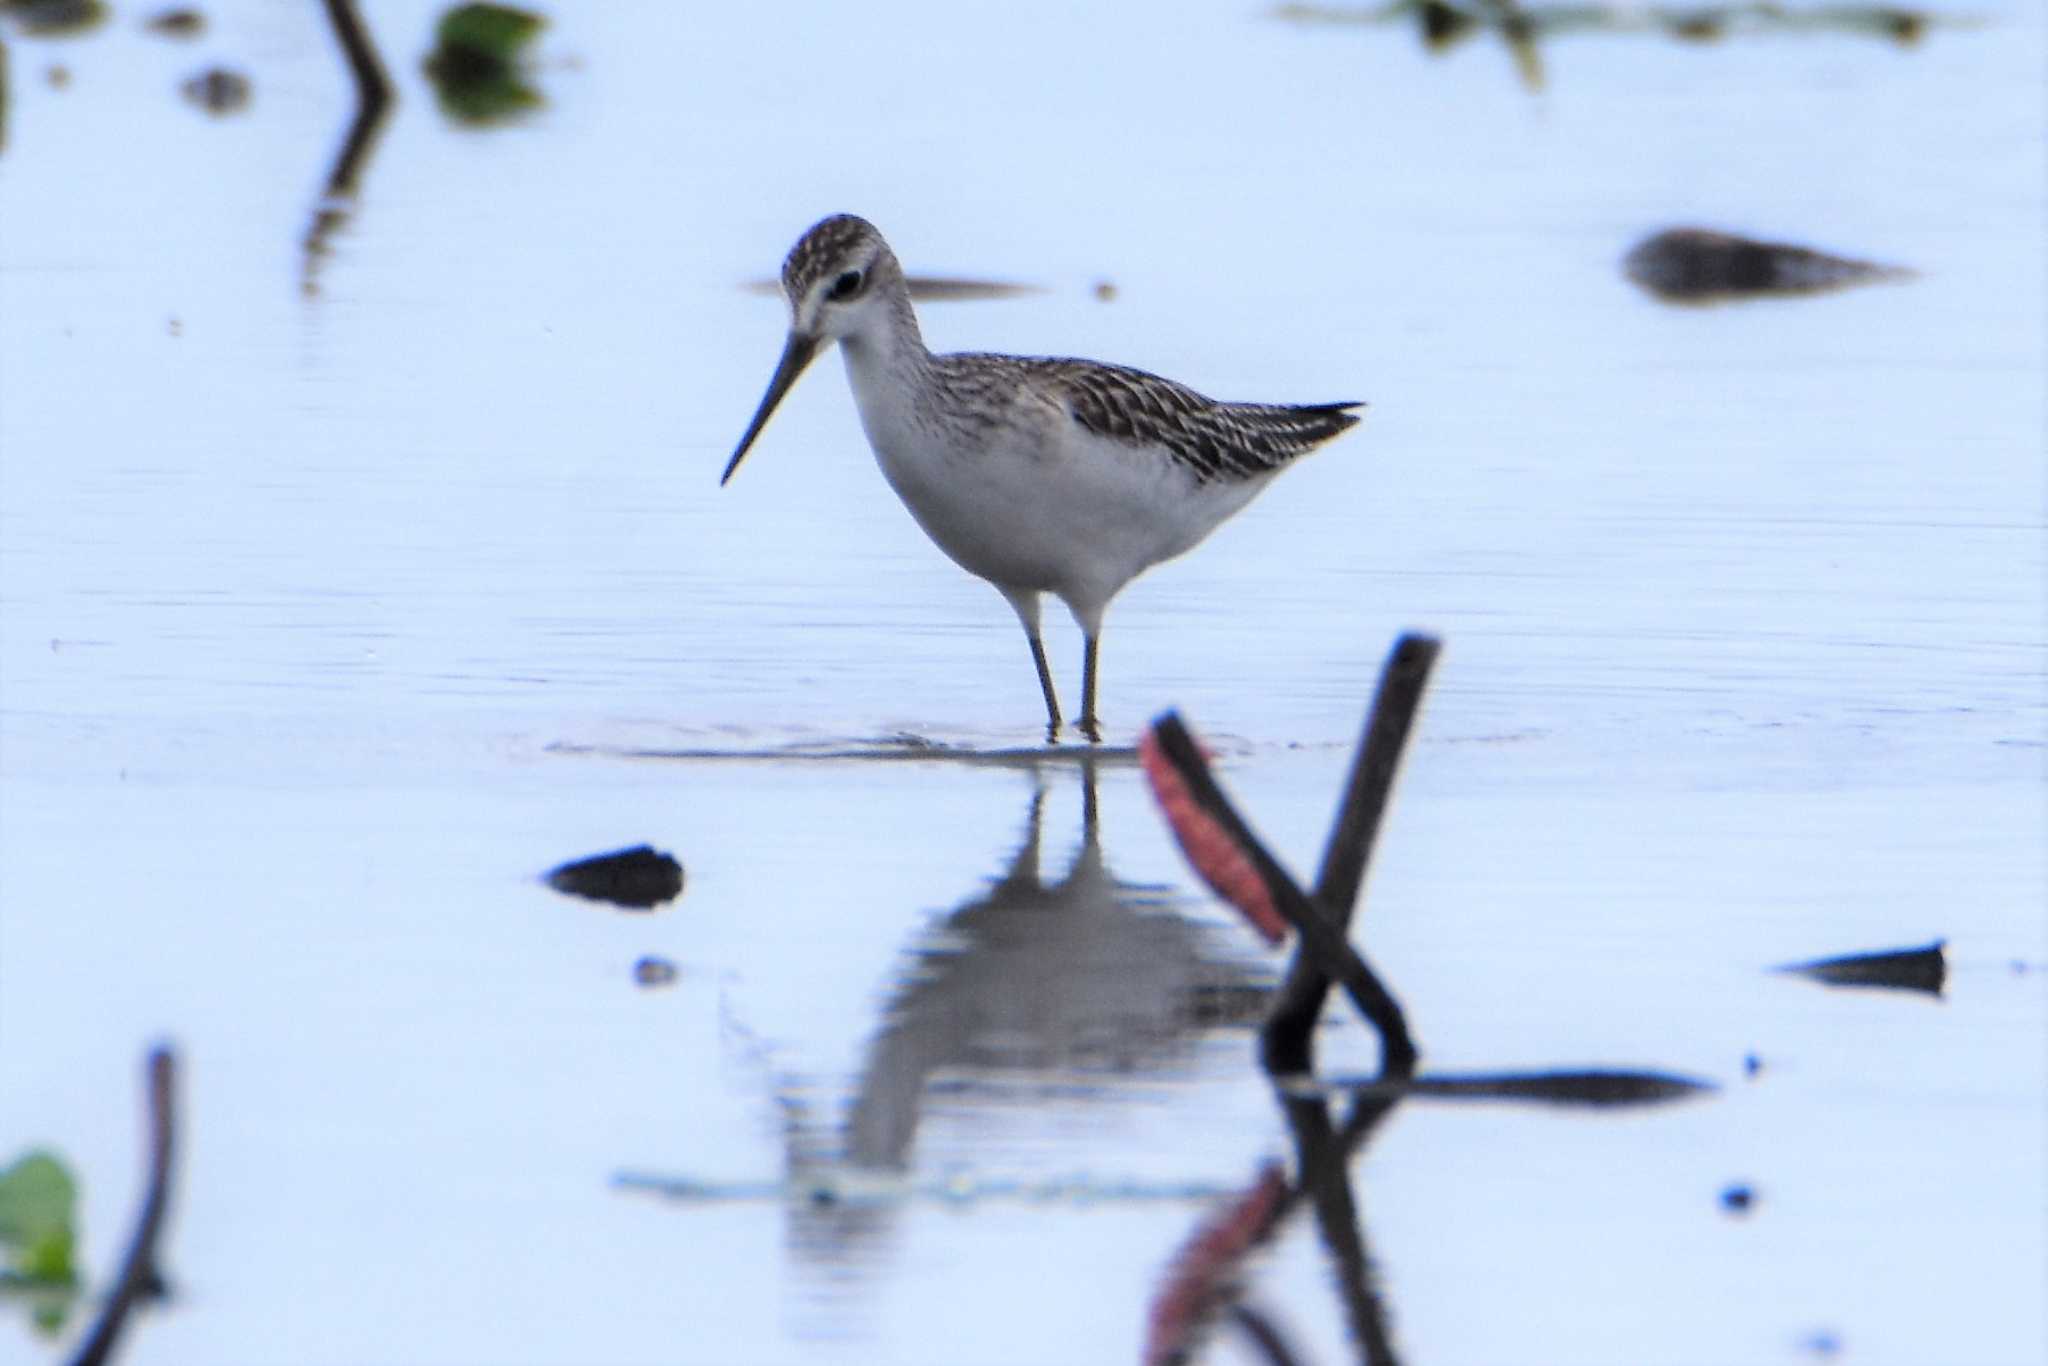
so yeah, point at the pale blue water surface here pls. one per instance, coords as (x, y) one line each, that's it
(326, 618)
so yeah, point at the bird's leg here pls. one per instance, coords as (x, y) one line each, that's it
(1052, 701)
(1090, 725)
(1024, 602)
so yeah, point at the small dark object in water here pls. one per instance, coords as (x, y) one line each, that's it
(177, 23)
(1903, 25)
(218, 91)
(475, 65)
(58, 76)
(1702, 26)
(1692, 265)
(1821, 1344)
(1595, 1087)
(1105, 291)
(1922, 969)
(1751, 1064)
(640, 878)
(654, 972)
(1738, 1198)
(55, 18)
(1442, 24)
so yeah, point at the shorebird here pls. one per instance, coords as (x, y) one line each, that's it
(1040, 475)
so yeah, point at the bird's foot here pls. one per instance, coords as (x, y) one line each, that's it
(1092, 729)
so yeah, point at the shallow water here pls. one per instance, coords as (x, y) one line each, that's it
(329, 622)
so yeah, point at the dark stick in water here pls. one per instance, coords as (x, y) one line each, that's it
(138, 1267)
(1287, 1043)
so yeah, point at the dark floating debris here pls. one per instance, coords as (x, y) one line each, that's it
(1699, 265)
(475, 65)
(1592, 1088)
(1443, 22)
(177, 23)
(639, 878)
(1922, 969)
(1105, 291)
(651, 971)
(54, 18)
(933, 289)
(218, 91)
(1738, 1198)
(1752, 1065)
(1521, 27)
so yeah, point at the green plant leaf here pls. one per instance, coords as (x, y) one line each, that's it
(38, 1213)
(474, 65)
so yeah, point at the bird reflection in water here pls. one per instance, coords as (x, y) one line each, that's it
(1073, 986)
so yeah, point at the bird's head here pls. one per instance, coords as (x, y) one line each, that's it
(839, 279)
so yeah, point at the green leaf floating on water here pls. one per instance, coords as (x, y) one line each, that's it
(38, 1210)
(498, 30)
(475, 63)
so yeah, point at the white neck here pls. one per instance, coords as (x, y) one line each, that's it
(886, 366)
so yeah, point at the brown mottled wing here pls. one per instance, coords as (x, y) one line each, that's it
(1215, 441)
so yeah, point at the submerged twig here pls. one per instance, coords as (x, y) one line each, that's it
(374, 99)
(138, 1274)
(373, 87)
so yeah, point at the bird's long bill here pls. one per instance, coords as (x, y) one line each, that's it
(795, 356)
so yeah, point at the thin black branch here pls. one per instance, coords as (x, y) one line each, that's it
(138, 1268)
(374, 99)
(373, 87)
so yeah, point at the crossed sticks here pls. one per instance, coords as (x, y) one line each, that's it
(1230, 858)
(1205, 1282)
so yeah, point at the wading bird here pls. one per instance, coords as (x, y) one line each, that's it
(1040, 475)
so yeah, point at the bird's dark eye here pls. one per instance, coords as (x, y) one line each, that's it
(846, 286)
